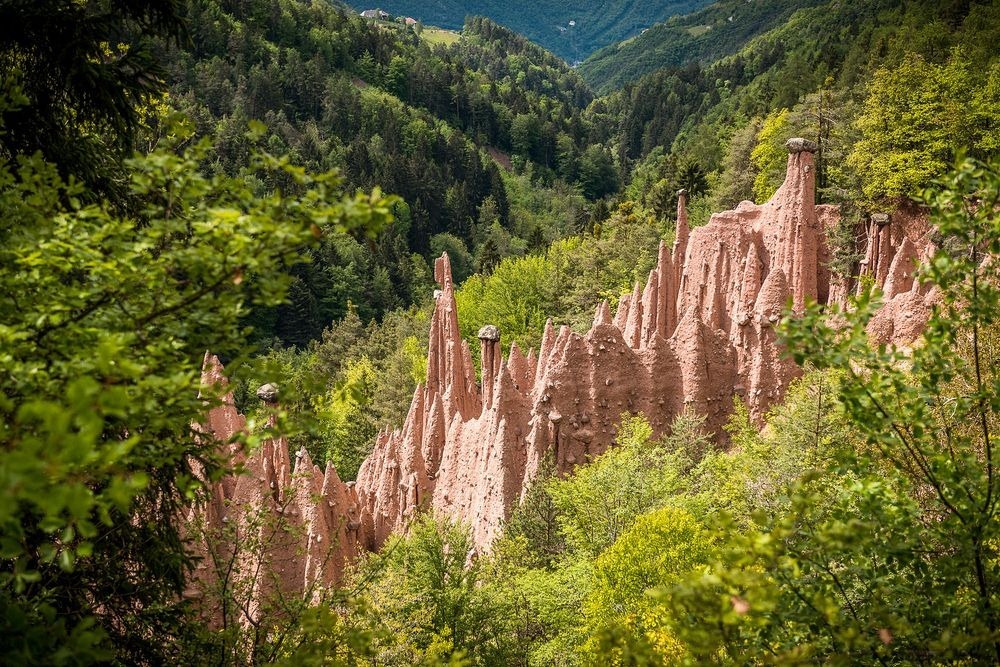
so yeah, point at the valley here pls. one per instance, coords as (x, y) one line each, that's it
(489, 334)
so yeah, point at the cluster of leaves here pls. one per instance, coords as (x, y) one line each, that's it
(106, 320)
(82, 65)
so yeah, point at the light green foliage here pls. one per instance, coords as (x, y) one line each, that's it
(439, 36)
(558, 540)
(325, 636)
(754, 474)
(105, 322)
(601, 500)
(840, 575)
(591, 269)
(429, 594)
(341, 390)
(916, 115)
(514, 297)
(345, 413)
(547, 604)
(985, 111)
(414, 355)
(769, 156)
(623, 618)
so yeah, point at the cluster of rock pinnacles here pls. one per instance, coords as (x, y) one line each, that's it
(700, 332)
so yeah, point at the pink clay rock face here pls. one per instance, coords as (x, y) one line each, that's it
(282, 515)
(896, 244)
(699, 331)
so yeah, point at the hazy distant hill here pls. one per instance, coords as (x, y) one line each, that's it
(547, 22)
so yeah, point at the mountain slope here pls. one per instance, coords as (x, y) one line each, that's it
(596, 24)
(704, 36)
(389, 111)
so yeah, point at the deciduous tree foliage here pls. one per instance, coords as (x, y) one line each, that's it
(105, 322)
(85, 68)
(916, 115)
(887, 551)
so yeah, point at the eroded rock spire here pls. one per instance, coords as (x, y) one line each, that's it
(697, 333)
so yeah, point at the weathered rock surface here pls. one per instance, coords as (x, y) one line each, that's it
(701, 330)
(278, 531)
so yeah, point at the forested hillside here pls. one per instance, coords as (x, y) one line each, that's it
(388, 110)
(270, 181)
(718, 30)
(832, 73)
(569, 28)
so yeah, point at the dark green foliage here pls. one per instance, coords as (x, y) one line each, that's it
(84, 69)
(536, 521)
(106, 320)
(391, 112)
(843, 242)
(598, 176)
(833, 47)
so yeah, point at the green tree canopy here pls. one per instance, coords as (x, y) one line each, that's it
(105, 322)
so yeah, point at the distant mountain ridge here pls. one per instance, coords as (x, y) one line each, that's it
(572, 29)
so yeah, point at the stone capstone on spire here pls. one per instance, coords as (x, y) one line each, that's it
(800, 145)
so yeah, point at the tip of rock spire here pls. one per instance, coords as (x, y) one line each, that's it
(442, 270)
(603, 314)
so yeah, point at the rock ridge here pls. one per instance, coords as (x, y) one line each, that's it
(698, 332)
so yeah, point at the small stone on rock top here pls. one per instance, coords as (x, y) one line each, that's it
(489, 332)
(268, 393)
(800, 145)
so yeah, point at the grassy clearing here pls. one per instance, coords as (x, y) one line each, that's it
(440, 36)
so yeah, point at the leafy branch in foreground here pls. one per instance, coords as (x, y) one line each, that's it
(105, 320)
(888, 552)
